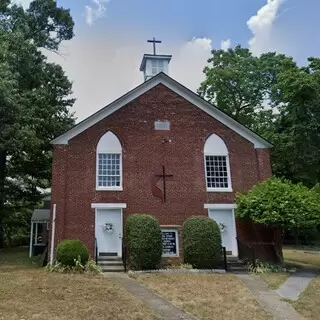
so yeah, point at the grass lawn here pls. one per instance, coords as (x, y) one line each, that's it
(309, 303)
(275, 279)
(301, 256)
(207, 296)
(27, 292)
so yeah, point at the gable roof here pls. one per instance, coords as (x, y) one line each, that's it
(178, 88)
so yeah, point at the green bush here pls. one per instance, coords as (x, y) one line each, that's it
(144, 242)
(201, 242)
(90, 267)
(70, 251)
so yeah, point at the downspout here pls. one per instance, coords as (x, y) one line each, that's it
(53, 232)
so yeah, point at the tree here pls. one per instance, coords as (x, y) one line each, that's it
(34, 98)
(280, 204)
(297, 132)
(273, 96)
(241, 84)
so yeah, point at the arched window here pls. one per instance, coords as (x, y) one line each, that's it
(217, 165)
(109, 163)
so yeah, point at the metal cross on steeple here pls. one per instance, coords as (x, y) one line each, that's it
(154, 41)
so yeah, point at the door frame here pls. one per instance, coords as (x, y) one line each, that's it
(226, 206)
(109, 206)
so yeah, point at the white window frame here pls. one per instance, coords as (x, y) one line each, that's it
(109, 144)
(216, 147)
(177, 242)
(210, 189)
(157, 66)
(110, 188)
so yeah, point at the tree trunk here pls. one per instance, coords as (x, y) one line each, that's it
(3, 158)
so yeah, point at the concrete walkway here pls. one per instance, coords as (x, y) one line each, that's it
(296, 284)
(268, 299)
(156, 303)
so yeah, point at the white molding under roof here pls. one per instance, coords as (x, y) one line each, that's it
(178, 88)
(108, 205)
(220, 206)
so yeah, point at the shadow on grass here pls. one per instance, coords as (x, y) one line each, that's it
(17, 258)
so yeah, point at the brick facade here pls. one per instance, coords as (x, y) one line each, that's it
(144, 153)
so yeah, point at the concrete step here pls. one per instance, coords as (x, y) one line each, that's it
(106, 268)
(108, 254)
(110, 263)
(109, 258)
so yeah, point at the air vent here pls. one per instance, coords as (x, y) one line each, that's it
(162, 125)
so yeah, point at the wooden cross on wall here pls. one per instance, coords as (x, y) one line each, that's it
(164, 176)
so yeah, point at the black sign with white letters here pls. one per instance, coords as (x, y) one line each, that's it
(169, 243)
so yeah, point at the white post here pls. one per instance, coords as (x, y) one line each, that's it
(53, 226)
(31, 240)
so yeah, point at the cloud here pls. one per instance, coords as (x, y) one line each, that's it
(95, 11)
(24, 3)
(225, 44)
(104, 70)
(261, 26)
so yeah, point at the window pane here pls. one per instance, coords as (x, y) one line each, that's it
(109, 170)
(216, 171)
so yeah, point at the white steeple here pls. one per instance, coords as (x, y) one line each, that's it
(153, 64)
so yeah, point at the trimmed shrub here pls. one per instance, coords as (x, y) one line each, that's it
(71, 251)
(144, 242)
(201, 242)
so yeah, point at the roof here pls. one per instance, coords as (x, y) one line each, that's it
(41, 215)
(47, 198)
(178, 88)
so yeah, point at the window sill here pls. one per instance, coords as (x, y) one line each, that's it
(170, 256)
(109, 189)
(219, 190)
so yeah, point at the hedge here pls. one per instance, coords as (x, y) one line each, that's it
(144, 242)
(70, 250)
(201, 242)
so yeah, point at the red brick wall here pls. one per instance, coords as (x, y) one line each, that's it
(144, 153)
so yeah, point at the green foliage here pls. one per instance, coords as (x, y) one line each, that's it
(182, 266)
(260, 267)
(275, 97)
(89, 267)
(281, 204)
(34, 98)
(71, 251)
(201, 242)
(240, 83)
(144, 242)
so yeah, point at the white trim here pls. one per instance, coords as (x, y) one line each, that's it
(114, 188)
(220, 206)
(173, 85)
(219, 189)
(177, 242)
(109, 188)
(121, 217)
(108, 205)
(54, 212)
(229, 189)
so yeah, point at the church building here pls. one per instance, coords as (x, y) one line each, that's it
(160, 149)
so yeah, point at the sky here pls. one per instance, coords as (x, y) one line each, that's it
(103, 58)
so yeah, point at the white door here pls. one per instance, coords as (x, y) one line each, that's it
(226, 222)
(109, 230)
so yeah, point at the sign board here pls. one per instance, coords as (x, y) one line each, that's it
(169, 243)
